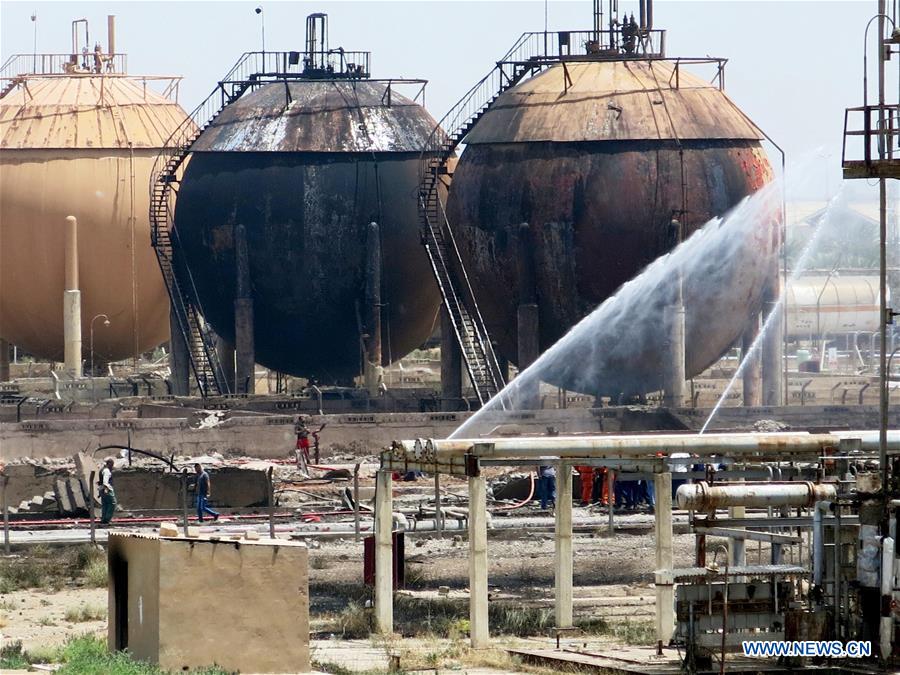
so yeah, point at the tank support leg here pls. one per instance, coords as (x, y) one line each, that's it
(773, 346)
(752, 375)
(673, 384)
(451, 365)
(225, 351)
(72, 302)
(245, 354)
(373, 368)
(179, 359)
(4, 361)
(528, 318)
(527, 329)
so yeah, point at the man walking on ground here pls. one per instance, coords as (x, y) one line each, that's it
(203, 493)
(107, 493)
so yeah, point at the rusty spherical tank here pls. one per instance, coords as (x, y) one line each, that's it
(597, 167)
(305, 166)
(81, 145)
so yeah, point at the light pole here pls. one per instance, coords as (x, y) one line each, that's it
(105, 323)
(262, 21)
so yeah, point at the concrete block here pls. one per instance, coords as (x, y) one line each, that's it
(76, 494)
(168, 530)
(62, 497)
(84, 465)
(251, 535)
(193, 531)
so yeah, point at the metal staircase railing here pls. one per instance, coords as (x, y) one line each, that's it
(459, 299)
(164, 179)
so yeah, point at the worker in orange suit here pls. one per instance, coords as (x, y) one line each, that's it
(587, 483)
(600, 493)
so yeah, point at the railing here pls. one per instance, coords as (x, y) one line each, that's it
(335, 63)
(718, 77)
(593, 45)
(879, 134)
(59, 64)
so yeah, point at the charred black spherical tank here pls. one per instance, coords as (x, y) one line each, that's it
(599, 158)
(305, 166)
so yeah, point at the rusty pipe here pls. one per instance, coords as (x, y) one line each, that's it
(702, 496)
(640, 445)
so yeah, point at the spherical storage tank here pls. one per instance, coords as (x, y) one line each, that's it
(598, 167)
(305, 165)
(81, 145)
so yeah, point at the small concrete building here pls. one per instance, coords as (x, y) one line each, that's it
(185, 603)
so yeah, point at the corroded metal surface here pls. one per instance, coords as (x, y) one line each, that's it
(600, 210)
(598, 215)
(702, 496)
(613, 101)
(86, 112)
(306, 215)
(310, 116)
(69, 156)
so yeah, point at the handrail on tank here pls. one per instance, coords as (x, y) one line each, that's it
(19, 65)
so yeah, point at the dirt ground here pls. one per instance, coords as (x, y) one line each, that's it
(38, 617)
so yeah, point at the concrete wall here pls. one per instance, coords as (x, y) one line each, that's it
(273, 436)
(141, 555)
(153, 489)
(243, 606)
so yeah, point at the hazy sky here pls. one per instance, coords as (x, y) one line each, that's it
(793, 66)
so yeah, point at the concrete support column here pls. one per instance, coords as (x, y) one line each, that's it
(451, 365)
(752, 375)
(527, 320)
(564, 547)
(244, 346)
(374, 372)
(665, 589)
(179, 358)
(737, 548)
(527, 331)
(384, 553)
(772, 356)
(4, 360)
(225, 352)
(674, 368)
(478, 563)
(72, 302)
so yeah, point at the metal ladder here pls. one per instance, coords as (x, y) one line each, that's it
(185, 301)
(437, 235)
(13, 83)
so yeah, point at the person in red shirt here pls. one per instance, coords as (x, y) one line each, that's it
(302, 449)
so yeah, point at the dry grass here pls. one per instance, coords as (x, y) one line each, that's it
(46, 567)
(85, 613)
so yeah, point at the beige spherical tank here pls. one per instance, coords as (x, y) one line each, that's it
(81, 145)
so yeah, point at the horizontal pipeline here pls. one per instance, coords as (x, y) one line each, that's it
(705, 497)
(574, 447)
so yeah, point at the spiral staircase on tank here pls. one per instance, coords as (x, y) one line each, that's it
(164, 181)
(437, 236)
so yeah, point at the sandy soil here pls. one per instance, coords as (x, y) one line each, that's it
(37, 617)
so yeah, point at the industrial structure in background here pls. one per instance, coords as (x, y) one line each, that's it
(79, 136)
(293, 235)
